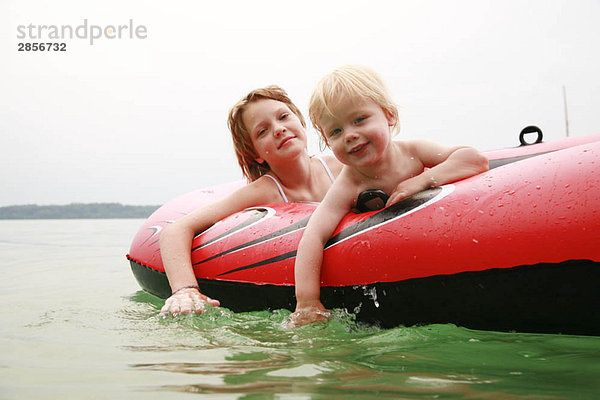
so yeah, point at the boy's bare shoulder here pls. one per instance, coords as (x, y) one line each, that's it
(409, 147)
(347, 176)
(414, 144)
(348, 180)
(424, 147)
(344, 190)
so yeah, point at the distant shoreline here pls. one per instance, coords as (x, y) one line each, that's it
(76, 211)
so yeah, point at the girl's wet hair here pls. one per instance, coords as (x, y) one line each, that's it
(354, 81)
(244, 150)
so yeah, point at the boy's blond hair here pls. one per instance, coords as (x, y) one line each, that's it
(353, 81)
(244, 150)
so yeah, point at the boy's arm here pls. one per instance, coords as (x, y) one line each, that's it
(445, 165)
(309, 258)
(176, 243)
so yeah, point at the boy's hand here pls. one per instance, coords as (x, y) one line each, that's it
(187, 301)
(411, 186)
(307, 314)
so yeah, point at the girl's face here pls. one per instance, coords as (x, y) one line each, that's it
(360, 131)
(276, 132)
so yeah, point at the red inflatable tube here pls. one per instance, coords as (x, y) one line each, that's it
(515, 248)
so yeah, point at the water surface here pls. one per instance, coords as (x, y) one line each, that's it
(75, 325)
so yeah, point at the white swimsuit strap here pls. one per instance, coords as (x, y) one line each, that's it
(285, 199)
(326, 168)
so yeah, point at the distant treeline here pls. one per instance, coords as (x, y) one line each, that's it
(75, 211)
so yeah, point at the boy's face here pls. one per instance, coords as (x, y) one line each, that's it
(359, 131)
(276, 132)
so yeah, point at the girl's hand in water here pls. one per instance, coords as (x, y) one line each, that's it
(187, 300)
(307, 315)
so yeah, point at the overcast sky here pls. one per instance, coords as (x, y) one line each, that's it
(143, 120)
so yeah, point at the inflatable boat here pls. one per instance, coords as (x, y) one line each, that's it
(514, 249)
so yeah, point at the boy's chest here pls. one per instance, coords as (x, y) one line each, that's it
(388, 179)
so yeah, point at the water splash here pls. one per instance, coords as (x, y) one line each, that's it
(372, 293)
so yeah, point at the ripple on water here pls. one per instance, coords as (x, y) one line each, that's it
(253, 354)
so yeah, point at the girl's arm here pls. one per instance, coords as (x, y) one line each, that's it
(445, 165)
(309, 258)
(176, 244)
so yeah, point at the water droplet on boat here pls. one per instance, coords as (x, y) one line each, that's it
(538, 187)
(475, 241)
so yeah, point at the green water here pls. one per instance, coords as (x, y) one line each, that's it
(75, 325)
(340, 359)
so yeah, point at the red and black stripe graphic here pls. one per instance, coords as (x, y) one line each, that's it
(508, 160)
(379, 218)
(273, 235)
(256, 214)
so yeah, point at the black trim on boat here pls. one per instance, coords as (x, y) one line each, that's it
(540, 298)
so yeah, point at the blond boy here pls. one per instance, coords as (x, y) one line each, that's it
(357, 118)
